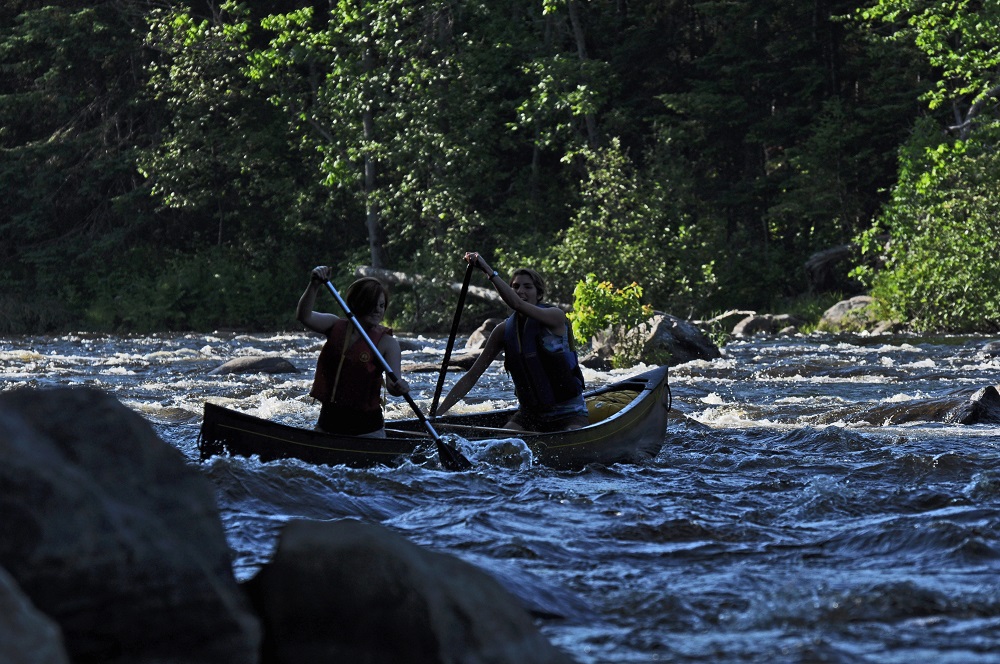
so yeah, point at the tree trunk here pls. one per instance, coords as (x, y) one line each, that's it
(373, 217)
(414, 280)
(581, 51)
(394, 278)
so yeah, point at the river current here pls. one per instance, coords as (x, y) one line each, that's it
(801, 510)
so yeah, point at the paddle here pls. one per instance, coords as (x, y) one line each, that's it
(451, 459)
(451, 338)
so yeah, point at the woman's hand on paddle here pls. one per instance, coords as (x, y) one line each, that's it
(397, 389)
(473, 258)
(321, 274)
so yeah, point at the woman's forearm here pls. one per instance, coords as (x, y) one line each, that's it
(306, 303)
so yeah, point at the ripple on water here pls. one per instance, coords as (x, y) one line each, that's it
(984, 486)
(935, 540)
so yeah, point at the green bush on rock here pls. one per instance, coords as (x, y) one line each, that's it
(598, 305)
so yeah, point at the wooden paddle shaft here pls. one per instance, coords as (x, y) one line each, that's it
(451, 337)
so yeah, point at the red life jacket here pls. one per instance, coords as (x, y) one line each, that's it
(352, 372)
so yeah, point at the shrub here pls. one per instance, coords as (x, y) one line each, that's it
(598, 305)
(940, 264)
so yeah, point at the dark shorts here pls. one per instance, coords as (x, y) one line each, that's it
(539, 422)
(349, 421)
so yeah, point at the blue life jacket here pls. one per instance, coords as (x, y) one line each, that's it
(543, 376)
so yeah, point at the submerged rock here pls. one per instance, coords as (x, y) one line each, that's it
(462, 362)
(886, 414)
(767, 324)
(255, 364)
(982, 407)
(992, 349)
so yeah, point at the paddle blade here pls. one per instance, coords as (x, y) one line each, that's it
(451, 459)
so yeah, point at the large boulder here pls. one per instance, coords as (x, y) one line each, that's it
(852, 315)
(112, 534)
(346, 591)
(680, 340)
(478, 338)
(767, 324)
(663, 339)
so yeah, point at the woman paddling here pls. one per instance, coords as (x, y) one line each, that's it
(348, 378)
(537, 353)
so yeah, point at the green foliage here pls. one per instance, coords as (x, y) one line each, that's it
(784, 143)
(635, 227)
(961, 40)
(210, 289)
(370, 87)
(598, 305)
(940, 263)
(808, 307)
(71, 117)
(718, 332)
(562, 94)
(223, 162)
(937, 270)
(703, 150)
(18, 315)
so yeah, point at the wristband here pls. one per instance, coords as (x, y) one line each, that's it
(492, 274)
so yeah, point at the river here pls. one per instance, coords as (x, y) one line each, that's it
(798, 511)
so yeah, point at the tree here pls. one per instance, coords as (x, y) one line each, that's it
(359, 85)
(222, 159)
(960, 40)
(783, 116)
(940, 262)
(634, 227)
(73, 119)
(725, 141)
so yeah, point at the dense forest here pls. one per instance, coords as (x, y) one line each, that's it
(183, 165)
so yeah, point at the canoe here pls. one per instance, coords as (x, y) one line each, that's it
(628, 425)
